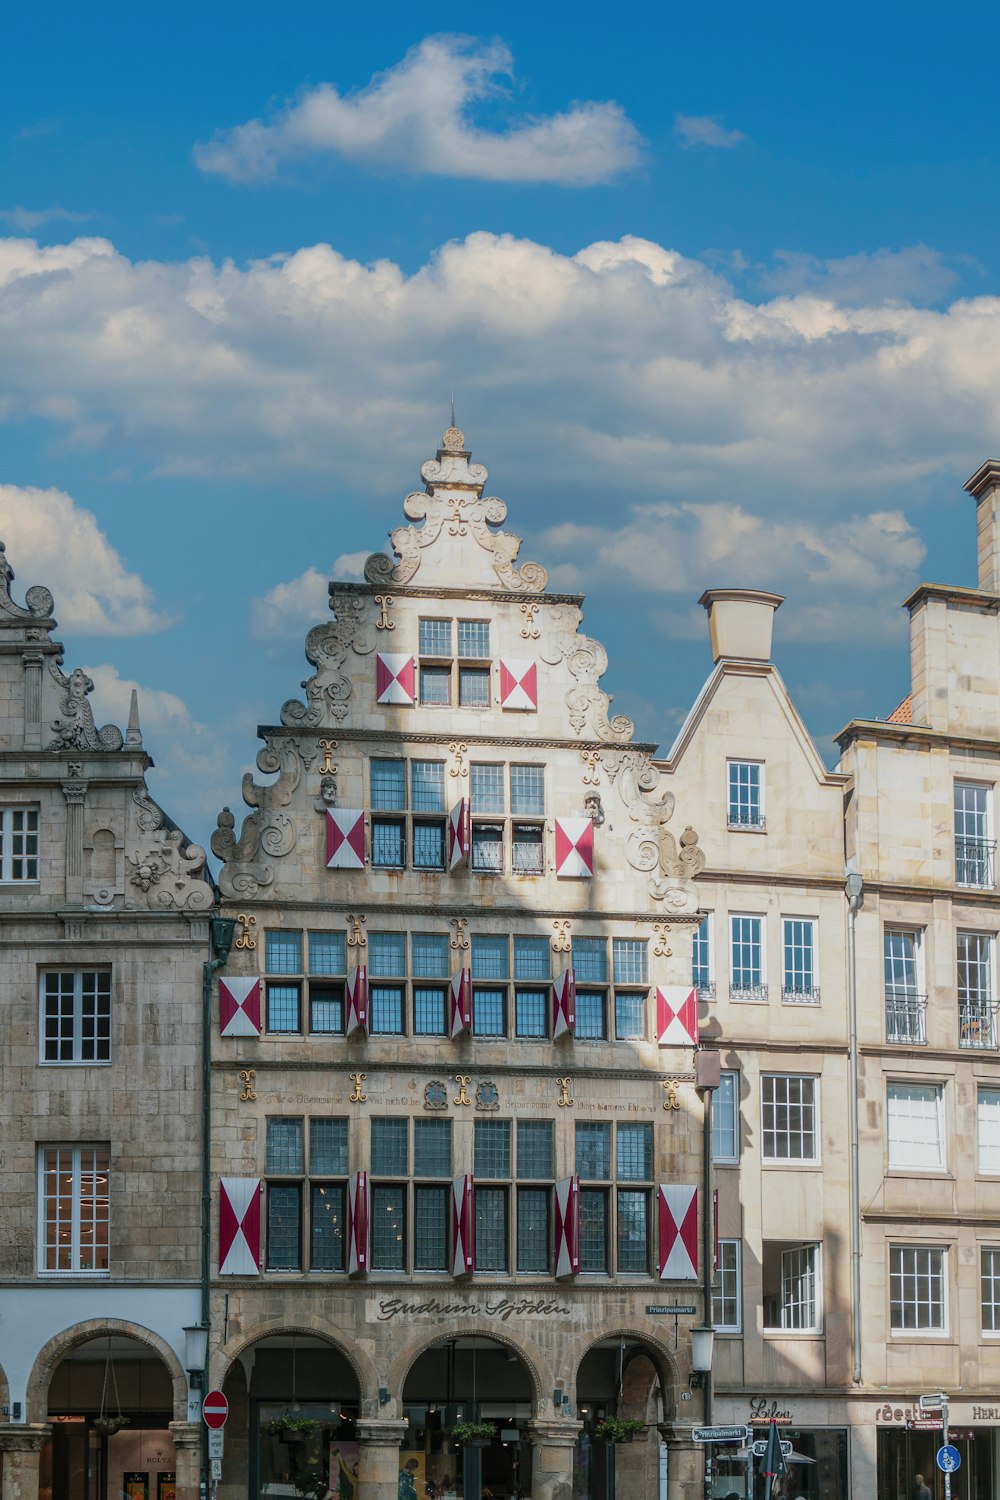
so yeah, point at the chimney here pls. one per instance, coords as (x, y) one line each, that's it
(739, 622)
(984, 487)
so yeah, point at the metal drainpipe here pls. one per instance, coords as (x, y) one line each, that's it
(221, 931)
(708, 1255)
(853, 891)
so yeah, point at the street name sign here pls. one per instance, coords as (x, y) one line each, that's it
(661, 1309)
(719, 1435)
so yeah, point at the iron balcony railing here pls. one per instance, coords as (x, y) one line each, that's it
(748, 992)
(705, 987)
(905, 1017)
(974, 862)
(800, 994)
(745, 818)
(977, 1024)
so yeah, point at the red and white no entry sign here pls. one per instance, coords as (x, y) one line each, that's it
(215, 1409)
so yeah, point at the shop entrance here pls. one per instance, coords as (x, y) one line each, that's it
(619, 1378)
(110, 1403)
(902, 1455)
(453, 1384)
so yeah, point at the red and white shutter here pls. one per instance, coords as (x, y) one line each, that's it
(574, 848)
(564, 1004)
(357, 1224)
(239, 1007)
(678, 1232)
(239, 1226)
(459, 834)
(676, 1015)
(460, 1003)
(463, 1226)
(518, 685)
(345, 839)
(568, 1226)
(356, 995)
(395, 678)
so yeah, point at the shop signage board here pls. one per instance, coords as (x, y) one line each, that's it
(925, 1424)
(948, 1459)
(215, 1409)
(662, 1309)
(719, 1434)
(760, 1447)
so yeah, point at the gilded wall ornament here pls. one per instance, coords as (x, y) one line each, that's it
(459, 940)
(358, 1096)
(565, 1100)
(529, 630)
(671, 1085)
(356, 937)
(247, 1076)
(459, 750)
(245, 938)
(463, 1080)
(661, 949)
(383, 622)
(561, 940)
(328, 747)
(591, 760)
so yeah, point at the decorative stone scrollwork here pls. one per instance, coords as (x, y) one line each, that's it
(76, 729)
(328, 691)
(587, 704)
(651, 848)
(171, 874)
(39, 601)
(266, 832)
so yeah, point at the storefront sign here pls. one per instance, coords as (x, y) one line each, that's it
(502, 1309)
(763, 1411)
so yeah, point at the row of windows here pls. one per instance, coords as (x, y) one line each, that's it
(514, 1170)
(906, 994)
(511, 978)
(748, 959)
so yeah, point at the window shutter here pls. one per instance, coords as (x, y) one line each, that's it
(460, 1003)
(239, 1226)
(463, 1226)
(345, 839)
(574, 848)
(395, 678)
(564, 1004)
(676, 1015)
(568, 1227)
(357, 1224)
(239, 1007)
(459, 835)
(356, 993)
(678, 1232)
(518, 685)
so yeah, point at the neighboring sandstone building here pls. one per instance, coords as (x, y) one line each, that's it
(103, 930)
(457, 1142)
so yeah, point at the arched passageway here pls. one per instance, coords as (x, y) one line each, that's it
(620, 1378)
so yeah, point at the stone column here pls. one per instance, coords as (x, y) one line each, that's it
(32, 663)
(685, 1466)
(187, 1458)
(552, 1448)
(74, 792)
(21, 1448)
(378, 1458)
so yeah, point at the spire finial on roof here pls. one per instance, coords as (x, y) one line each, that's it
(133, 734)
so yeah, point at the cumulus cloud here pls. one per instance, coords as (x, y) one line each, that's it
(705, 130)
(418, 117)
(289, 608)
(53, 541)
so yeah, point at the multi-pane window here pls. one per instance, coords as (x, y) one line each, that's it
(306, 1210)
(989, 1288)
(18, 843)
(905, 1002)
(497, 1178)
(727, 1295)
(405, 1194)
(74, 1193)
(988, 1129)
(791, 1286)
(629, 969)
(745, 802)
(976, 998)
(615, 1167)
(799, 978)
(430, 962)
(398, 825)
(746, 958)
(440, 673)
(504, 799)
(702, 968)
(389, 1159)
(304, 987)
(789, 1123)
(491, 1163)
(76, 1016)
(915, 1126)
(917, 1288)
(726, 1118)
(386, 982)
(590, 963)
(974, 844)
(495, 958)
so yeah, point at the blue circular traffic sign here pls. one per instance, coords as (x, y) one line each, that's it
(948, 1459)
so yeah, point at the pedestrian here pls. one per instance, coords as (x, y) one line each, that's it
(920, 1490)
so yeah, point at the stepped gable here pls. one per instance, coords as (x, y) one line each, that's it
(132, 854)
(539, 679)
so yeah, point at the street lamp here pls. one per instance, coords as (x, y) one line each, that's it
(702, 1346)
(196, 1354)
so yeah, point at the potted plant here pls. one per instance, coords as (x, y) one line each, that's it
(474, 1434)
(109, 1425)
(289, 1428)
(618, 1429)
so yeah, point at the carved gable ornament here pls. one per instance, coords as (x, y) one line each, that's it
(459, 531)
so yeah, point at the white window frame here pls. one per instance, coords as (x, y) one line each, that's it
(788, 1104)
(991, 1148)
(753, 994)
(734, 822)
(77, 1060)
(729, 1285)
(977, 831)
(989, 1275)
(706, 989)
(909, 1024)
(730, 1082)
(76, 1167)
(7, 836)
(807, 1255)
(908, 1150)
(790, 995)
(978, 1028)
(934, 1330)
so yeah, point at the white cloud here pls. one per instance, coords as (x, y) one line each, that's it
(289, 608)
(417, 117)
(917, 273)
(53, 541)
(27, 219)
(705, 130)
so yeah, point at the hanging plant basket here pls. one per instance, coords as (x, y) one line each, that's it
(290, 1428)
(110, 1425)
(619, 1429)
(473, 1434)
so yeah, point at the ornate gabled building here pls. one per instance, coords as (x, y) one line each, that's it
(104, 910)
(456, 1142)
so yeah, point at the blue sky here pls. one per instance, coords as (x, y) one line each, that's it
(716, 290)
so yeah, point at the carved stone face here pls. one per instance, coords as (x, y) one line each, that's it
(592, 807)
(328, 790)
